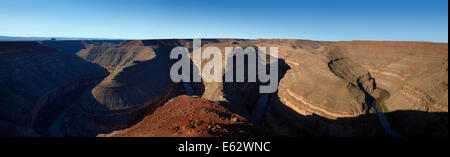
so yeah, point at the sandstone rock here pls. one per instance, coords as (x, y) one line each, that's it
(139, 82)
(395, 66)
(325, 88)
(186, 116)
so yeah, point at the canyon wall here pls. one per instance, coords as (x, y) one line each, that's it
(336, 80)
(139, 82)
(37, 81)
(86, 88)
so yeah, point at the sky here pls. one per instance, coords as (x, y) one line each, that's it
(328, 20)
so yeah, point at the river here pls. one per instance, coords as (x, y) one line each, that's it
(188, 88)
(384, 122)
(260, 108)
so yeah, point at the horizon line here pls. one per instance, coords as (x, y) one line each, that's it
(130, 39)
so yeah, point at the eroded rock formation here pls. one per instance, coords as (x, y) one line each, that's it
(139, 82)
(317, 86)
(324, 89)
(186, 116)
(37, 82)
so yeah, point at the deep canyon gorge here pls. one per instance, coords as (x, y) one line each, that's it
(122, 88)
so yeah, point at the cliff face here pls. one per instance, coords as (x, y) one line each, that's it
(414, 73)
(139, 82)
(320, 81)
(336, 80)
(325, 89)
(328, 88)
(36, 80)
(360, 83)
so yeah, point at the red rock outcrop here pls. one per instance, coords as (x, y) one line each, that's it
(186, 116)
(325, 88)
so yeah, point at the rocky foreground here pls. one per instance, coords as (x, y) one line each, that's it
(87, 88)
(186, 116)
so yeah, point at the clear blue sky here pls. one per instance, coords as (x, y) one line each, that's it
(406, 20)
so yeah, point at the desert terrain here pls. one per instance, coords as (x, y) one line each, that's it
(88, 88)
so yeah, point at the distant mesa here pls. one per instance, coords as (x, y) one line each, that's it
(132, 43)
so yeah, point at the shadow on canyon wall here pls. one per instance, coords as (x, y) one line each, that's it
(287, 122)
(280, 120)
(243, 97)
(92, 118)
(74, 46)
(284, 121)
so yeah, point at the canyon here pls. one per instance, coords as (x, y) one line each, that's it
(116, 88)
